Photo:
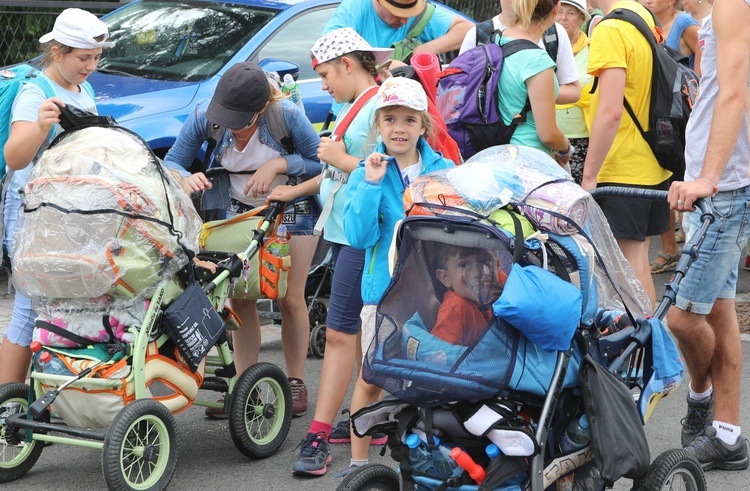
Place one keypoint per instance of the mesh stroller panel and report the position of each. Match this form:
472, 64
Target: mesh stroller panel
405, 358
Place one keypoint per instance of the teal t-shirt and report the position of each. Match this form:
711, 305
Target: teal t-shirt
513, 91
355, 140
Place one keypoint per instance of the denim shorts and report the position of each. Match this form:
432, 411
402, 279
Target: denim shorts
714, 274
345, 303
299, 216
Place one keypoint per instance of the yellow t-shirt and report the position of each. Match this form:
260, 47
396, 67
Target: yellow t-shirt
618, 44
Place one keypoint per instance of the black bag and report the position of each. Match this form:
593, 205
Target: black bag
617, 436
193, 324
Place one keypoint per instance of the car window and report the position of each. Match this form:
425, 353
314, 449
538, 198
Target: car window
179, 41
292, 42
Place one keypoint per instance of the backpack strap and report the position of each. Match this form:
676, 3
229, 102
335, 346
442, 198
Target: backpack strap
484, 31
637, 21
551, 42
421, 21
510, 49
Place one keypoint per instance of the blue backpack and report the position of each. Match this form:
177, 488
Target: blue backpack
467, 96
11, 81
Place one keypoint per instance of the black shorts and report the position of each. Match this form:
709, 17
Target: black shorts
635, 218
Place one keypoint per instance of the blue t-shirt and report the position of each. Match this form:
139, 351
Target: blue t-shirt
681, 22
518, 68
360, 15
26, 108
355, 140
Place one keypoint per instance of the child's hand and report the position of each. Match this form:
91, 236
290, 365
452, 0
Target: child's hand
205, 264
375, 165
260, 182
49, 113
331, 152
198, 182
282, 193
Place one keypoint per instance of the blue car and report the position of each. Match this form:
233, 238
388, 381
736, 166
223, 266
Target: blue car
171, 54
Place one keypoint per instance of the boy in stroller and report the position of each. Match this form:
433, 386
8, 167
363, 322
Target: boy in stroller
466, 273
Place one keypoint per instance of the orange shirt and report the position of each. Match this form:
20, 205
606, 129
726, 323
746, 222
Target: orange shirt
459, 321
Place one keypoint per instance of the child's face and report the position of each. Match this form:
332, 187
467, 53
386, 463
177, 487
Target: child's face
400, 128
334, 80
470, 277
76, 66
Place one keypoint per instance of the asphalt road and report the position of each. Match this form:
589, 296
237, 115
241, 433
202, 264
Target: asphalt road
209, 460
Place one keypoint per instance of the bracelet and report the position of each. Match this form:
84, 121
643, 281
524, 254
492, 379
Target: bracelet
566, 153
716, 188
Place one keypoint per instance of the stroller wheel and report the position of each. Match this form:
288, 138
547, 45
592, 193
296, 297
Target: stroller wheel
140, 449
260, 413
674, 469
318, 341
16, 456
371, 477
318, 313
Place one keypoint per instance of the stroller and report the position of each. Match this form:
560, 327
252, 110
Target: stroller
125, 319
564, 303
317, 287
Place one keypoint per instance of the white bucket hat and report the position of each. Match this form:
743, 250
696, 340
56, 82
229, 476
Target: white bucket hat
580, 5
343, 41
77, 28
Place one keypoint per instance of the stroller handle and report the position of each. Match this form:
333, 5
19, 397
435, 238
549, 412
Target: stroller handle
651, 194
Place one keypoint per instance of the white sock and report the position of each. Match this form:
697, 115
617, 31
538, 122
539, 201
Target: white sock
359, 463
700, 396
726, 433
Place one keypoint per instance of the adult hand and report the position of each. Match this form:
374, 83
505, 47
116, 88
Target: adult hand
375, 165
682, 195
260, 182
331, 152
562, 160
198, 182
49, 113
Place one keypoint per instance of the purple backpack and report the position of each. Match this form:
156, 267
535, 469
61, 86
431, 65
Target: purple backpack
467, 96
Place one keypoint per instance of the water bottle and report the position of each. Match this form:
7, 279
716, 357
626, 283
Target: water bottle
291, 88
437, 462
45, 362
577, 435
278, 246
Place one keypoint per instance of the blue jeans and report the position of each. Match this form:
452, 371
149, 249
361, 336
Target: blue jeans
714, 274
21, 326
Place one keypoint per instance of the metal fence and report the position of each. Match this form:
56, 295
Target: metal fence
23, 22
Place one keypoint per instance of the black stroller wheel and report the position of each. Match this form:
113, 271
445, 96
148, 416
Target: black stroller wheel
318, 313
675, 469
371, 477
260, 413
318, 341
16, 456
140, 449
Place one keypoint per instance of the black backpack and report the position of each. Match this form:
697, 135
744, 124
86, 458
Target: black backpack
674, 88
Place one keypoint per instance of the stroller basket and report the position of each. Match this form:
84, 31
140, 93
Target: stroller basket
409, 361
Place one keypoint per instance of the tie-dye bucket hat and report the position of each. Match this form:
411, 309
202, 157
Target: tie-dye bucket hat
401, 91
343, 41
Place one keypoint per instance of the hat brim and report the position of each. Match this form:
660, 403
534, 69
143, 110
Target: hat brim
586, 15
228, 118
404, 12
381, 55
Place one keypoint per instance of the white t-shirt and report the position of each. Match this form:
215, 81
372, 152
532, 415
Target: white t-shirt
566, 66
252, 157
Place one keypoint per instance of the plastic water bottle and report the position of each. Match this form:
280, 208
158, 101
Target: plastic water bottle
45, 362
437, 462
279, 245
577, 435
291, 87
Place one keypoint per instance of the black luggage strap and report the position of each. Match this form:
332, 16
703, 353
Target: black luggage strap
63, 333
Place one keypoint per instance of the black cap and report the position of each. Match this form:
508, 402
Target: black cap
242, 91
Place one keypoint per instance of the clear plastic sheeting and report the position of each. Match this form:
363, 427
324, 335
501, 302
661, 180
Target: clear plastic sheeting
103, 223
546, 194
